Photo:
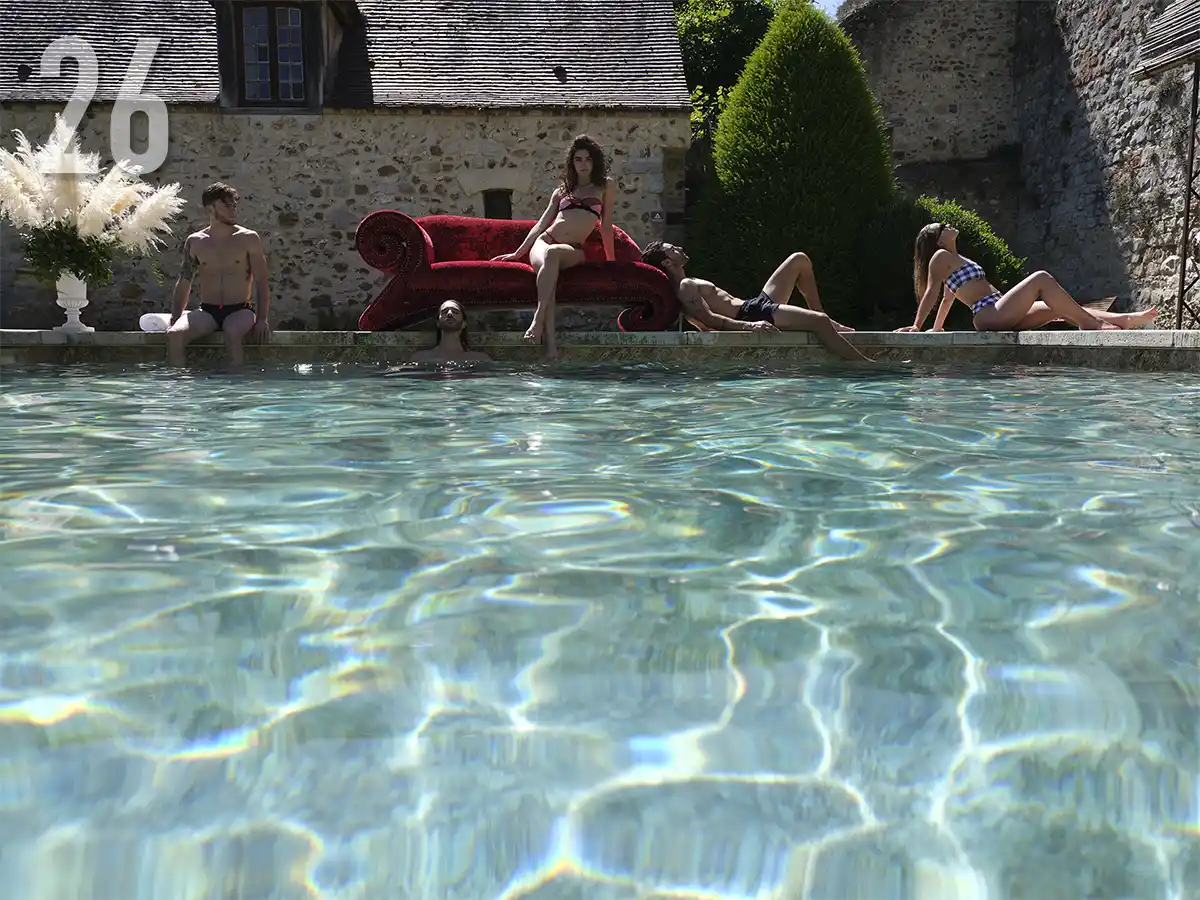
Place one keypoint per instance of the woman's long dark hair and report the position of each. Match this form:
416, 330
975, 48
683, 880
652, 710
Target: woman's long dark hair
462, 332
599, 169
926, 246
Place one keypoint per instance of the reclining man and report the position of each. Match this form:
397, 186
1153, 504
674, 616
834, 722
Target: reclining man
710, 307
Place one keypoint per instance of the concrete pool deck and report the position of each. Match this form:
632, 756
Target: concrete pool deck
1137, 350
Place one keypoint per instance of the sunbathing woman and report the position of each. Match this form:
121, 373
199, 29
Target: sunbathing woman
1036, 301
582, 202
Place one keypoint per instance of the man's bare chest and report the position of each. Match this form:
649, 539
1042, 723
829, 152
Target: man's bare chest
220, 254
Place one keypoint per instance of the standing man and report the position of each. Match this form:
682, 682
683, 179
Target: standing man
230, 262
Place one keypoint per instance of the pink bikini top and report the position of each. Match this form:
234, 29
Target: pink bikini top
594, 205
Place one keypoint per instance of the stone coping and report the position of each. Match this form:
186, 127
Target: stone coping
1135, 349
1141, 338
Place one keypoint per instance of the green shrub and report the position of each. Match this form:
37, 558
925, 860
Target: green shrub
58, 247
885, 251
801, 162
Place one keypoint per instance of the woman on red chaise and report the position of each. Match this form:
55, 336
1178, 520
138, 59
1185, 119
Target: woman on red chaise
583, 201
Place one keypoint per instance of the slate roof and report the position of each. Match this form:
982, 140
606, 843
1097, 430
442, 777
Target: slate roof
472, 53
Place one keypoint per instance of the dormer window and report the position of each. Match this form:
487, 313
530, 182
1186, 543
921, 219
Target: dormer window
271, 55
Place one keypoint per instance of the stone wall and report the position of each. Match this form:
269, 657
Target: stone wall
1064, 220
942, 72
1119, 139
1028, 112
306, 182
990, 186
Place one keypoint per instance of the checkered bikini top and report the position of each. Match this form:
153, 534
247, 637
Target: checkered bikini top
968, 271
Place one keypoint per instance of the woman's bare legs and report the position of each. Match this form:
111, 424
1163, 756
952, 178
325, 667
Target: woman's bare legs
1011, 310
547, 261
1040, 314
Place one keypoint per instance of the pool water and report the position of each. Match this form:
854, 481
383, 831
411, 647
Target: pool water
606, 633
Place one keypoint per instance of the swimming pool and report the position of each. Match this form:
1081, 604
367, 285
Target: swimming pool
608, 633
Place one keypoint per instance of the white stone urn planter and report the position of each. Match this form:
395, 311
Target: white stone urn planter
72, 296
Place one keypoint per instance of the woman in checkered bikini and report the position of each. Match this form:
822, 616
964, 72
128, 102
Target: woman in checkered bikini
1036, 301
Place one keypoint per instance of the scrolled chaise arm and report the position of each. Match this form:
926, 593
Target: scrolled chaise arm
656, 313
393, 243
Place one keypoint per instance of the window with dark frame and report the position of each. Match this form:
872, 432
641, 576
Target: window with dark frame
497, 204
272, 55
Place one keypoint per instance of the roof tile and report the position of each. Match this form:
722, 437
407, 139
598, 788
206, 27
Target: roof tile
474, 53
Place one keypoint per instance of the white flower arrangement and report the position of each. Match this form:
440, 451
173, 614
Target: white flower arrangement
74, 219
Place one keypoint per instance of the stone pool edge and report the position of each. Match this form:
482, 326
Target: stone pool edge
1139, 350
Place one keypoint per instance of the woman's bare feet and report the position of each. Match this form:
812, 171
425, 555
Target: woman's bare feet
534, 332
1137, 319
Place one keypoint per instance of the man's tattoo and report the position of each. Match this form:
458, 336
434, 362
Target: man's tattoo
189, 263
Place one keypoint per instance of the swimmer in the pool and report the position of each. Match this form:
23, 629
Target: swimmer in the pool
453, 344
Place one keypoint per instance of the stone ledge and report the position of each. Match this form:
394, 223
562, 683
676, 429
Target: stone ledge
1139, 349
1142, 339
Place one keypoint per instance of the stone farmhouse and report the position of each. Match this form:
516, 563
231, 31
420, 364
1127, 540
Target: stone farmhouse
321, 111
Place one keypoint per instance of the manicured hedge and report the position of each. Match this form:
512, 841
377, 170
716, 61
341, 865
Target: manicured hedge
801, 162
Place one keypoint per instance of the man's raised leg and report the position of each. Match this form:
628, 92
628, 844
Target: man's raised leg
192, 324
796, 273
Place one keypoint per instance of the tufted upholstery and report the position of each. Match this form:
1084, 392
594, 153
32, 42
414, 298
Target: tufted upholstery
437, 258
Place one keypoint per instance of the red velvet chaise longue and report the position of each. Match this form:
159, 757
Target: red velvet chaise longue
437, 258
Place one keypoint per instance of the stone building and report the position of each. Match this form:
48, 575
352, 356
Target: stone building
358, 105
1029, 111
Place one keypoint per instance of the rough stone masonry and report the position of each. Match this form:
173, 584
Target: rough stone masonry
1028, 112
307, 181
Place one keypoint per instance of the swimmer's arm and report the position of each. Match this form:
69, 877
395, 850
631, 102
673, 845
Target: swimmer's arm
538, 227
258, 269
944, 310
183, 284
694, 300
606, 223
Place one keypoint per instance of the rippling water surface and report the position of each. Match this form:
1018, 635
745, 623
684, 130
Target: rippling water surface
625, 633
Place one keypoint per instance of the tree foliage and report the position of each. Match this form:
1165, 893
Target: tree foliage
717, 37
801, 161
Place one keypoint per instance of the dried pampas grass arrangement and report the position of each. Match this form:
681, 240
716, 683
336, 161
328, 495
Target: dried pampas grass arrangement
74, 219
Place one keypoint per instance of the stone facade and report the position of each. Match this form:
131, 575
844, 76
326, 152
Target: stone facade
1065, 223
1028, 112
307, 181
942, 71
1135, 133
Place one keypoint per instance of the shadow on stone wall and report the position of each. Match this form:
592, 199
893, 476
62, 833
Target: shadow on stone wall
1065, 223
990, 186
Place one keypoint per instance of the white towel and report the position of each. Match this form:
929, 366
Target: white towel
155, 322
